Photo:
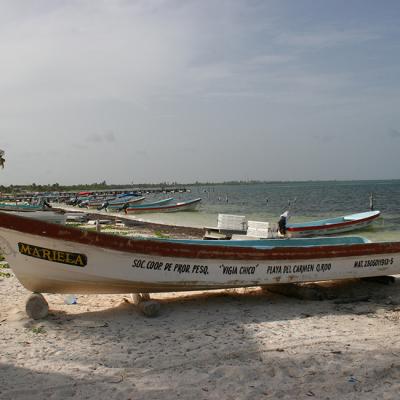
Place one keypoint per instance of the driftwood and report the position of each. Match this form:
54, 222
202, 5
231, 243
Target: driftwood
299, 290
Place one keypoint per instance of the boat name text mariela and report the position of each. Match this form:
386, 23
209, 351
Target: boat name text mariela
63, 257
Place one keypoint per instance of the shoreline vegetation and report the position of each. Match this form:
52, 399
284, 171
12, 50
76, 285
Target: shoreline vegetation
56, 187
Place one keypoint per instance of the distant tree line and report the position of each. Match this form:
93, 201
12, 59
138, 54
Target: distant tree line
56, 187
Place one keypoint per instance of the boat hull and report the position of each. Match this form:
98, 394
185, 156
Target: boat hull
152, 204
50, 258
20, 207
186, 206
121, 202
334, 228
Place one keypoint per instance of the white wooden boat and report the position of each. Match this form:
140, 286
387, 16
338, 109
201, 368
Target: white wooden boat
125, 201
181, 206
97, 202
48, 216
332, 226
150, 204
51, 258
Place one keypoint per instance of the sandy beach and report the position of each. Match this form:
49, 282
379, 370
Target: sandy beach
231, 344
268, 130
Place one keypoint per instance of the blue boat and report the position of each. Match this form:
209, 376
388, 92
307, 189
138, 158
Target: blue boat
181, 206
332, 225
22, 207
123, 202
152, 204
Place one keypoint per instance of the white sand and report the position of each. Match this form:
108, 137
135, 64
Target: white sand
221, 345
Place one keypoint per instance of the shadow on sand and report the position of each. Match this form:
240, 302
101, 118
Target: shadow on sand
218, 345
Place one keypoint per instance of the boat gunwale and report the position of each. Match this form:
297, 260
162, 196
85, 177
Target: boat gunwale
121, 201
156, 247
155, 203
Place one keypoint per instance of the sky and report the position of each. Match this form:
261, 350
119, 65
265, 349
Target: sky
183, 91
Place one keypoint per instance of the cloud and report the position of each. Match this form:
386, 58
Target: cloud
141, 153
182, 78
270, 59
80, 146
394, 133
98, 138
325, 139
326, 38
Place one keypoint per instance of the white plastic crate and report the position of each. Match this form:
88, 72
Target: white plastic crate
232, 222
259, 229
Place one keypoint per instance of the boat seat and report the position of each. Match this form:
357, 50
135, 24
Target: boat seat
244, 237
209, 235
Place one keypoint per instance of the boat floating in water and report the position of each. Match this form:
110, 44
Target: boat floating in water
332, 226
50, 258
229, 225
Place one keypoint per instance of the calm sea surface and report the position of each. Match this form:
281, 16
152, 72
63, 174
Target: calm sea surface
308, 201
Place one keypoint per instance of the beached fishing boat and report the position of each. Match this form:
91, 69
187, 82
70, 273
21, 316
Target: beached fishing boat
49, 258
21, 207
123, 202
332, 226
48, 216
98, 202
152, 204
182, 206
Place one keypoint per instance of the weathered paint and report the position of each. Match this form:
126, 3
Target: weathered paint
120, 265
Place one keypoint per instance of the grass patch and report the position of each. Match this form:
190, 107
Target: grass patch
5, 274
161, 235
38, 330
75, 224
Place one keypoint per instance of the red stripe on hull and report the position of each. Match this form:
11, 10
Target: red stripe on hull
331, 226
167, 249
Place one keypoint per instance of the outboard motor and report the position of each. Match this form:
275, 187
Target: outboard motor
83, 203
124, 207
103, 206
46, 204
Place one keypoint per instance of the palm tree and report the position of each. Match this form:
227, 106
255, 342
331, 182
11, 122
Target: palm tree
2, 159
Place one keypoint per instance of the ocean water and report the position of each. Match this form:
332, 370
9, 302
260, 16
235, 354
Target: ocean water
306, 201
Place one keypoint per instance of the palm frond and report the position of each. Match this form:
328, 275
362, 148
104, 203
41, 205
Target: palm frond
2, 159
